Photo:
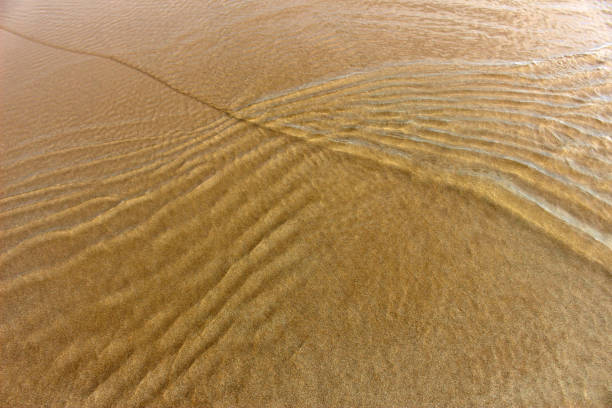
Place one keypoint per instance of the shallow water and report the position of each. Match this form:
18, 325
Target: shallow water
306, 203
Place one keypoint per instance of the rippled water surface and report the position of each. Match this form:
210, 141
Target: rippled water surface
306, 203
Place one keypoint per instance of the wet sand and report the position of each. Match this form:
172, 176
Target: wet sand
306, 204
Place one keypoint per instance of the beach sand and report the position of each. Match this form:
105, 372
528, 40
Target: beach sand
315, 204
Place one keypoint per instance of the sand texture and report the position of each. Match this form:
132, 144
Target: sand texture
306, 204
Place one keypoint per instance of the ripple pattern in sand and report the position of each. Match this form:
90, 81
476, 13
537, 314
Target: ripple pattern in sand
533, 137
186, 245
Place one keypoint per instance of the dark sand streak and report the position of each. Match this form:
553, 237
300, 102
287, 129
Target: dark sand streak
150, 75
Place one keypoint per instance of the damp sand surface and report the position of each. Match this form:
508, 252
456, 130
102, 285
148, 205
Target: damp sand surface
301, 203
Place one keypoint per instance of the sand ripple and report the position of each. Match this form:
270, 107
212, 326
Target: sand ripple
433, 232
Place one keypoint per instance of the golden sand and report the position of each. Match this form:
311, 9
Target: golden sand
391, 204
